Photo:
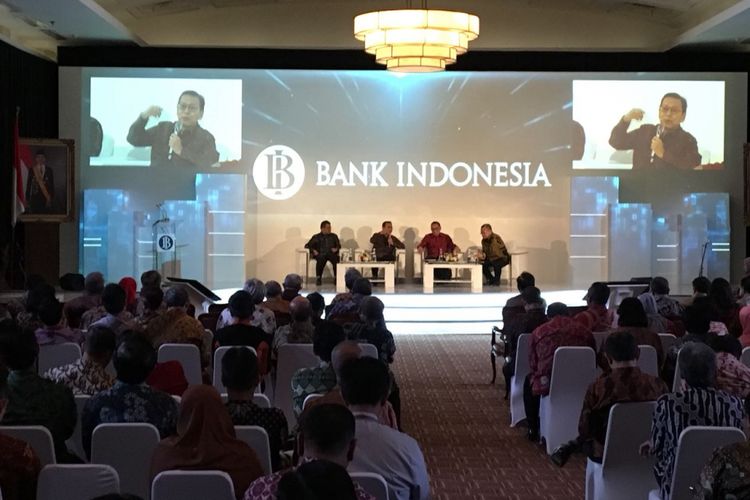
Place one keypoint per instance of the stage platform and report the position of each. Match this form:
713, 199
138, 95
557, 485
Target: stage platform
451, 309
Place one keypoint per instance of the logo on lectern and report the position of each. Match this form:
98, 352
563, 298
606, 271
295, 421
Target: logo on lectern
165, 243
278, 172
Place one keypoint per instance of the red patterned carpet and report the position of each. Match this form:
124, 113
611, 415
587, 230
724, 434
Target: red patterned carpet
462, 425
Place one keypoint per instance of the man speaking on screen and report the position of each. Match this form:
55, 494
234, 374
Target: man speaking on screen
662, 145
183, 143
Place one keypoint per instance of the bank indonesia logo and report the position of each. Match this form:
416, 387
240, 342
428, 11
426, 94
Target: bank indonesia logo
278, 172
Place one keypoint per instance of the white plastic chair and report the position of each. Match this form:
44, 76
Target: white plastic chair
292, 357
369, 351
127, 448
192, 484
189, 357
38, 437
372, 483
694, 449
52, 356
745, 357
517, 410
623, 473
677, 380
667, 341
309, 398
573, 369
218, 356
82, 481
648, 361
75, 443
599, 338
257, 438
261, 400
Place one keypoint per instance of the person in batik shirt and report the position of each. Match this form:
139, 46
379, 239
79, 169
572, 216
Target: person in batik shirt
88, 375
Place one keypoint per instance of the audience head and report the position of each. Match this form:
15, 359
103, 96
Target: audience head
50, 311
113, 299
725, 343
316, 480
343, 353
365, 382
239, 370
94, 283
659, 286
101, 343
134, 358
293, 282
152, 297
524, 280
621, 347
176, 296
371, 310
37, 295
362, 286
350, 277
202, 417
531, 295
697, 318
327, 432
18, 347
721, 294
256, 289
557, 309
33, 281
129, 285
241, 305
697, 365
318, 304
300, 309
326, 336
598, 293
630, 312
151, 279
701, 285
273, 289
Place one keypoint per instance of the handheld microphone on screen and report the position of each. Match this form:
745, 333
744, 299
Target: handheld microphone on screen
175, 130
659, 133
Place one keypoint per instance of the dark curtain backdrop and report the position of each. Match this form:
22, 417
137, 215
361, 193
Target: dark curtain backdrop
28, 82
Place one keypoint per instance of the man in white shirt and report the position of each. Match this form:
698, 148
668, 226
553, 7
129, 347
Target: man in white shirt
365, 384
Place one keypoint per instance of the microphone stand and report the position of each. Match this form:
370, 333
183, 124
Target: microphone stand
703, 258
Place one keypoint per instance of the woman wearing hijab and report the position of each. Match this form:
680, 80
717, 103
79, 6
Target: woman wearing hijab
206, 440
131, 299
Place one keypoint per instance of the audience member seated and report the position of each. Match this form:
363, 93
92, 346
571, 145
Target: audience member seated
326, 432
727, 473
28, 318
624, 382
698, 404
561, 330
697, 322
131, 297
206, 440
701, 286
53, 331
19, 305
597, 318
168, 377
19, 465
149, 280
346, 310
342, 353
318, 379
260, 316
744, 315
151, 305
277, 305
350, 277
656, 322
317, 480
74, 309
292, 285
299, 331
532, 316
732, 376
725, 306
523, 280
33, 400
239, 374
666, 305
631, 317
89, 374
318, 305
130, 399
397, 457
114, 315
371, 329
240, 330
175, 326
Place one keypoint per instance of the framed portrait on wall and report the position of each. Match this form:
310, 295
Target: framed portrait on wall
48, 179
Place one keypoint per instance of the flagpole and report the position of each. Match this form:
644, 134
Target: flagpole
15, 263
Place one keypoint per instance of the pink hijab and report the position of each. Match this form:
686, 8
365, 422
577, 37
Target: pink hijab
129, 285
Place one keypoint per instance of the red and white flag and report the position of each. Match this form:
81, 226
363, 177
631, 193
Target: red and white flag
21, 164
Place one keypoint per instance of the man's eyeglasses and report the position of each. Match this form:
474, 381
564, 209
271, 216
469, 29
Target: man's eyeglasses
668, 109
188, 108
